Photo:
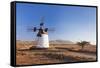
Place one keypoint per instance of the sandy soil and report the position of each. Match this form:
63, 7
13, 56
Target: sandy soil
27, 54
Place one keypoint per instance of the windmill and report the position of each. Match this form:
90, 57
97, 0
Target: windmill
42, 35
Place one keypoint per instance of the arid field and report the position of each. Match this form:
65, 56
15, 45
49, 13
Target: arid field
28, 54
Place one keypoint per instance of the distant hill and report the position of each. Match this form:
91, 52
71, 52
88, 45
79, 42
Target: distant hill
61, 42
51, 42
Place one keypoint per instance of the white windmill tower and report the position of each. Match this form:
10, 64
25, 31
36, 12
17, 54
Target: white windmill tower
42, 35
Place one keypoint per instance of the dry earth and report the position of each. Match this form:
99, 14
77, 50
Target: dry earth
27, 54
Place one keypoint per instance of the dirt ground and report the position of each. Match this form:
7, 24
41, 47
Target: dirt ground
28, 54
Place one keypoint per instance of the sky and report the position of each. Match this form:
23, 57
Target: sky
72, 23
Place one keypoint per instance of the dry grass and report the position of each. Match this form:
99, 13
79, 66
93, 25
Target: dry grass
27, 54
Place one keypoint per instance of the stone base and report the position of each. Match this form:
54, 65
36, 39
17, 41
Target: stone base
43, 41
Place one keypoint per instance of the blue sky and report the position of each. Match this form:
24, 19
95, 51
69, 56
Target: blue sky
70, 22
